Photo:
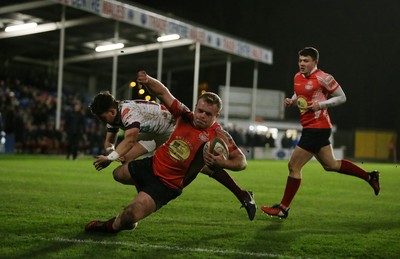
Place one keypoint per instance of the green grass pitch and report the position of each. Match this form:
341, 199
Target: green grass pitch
45, 203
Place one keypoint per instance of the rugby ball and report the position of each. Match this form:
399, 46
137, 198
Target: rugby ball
215, 147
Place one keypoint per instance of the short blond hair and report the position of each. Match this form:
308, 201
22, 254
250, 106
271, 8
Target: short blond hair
212, 98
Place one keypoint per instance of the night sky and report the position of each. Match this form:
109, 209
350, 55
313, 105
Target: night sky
358, 41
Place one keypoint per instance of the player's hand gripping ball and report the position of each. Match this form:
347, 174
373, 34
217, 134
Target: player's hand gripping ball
216, 146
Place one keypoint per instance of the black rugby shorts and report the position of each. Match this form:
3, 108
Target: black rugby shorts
313, 140
142, 173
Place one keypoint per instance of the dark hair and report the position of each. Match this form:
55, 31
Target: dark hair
310, 51
102, 102
212, 98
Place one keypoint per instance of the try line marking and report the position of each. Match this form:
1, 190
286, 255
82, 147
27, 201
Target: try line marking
174, 248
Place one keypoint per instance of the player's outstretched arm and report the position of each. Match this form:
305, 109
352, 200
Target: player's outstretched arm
109, 142
130, 139
156, 88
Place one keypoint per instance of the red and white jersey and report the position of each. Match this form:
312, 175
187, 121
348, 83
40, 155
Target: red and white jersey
317, 87
149, 117
172, 160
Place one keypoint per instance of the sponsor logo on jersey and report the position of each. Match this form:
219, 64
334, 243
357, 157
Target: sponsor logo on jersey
302, 104
179, 149
203, 136
309, 86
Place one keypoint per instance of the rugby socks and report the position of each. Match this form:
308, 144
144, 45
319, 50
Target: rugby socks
350, 168
226, 180
292, 185
119, 225
109, 226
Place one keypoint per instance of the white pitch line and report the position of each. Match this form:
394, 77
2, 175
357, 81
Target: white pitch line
174, 248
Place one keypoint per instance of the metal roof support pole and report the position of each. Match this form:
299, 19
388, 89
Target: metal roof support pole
196, 75
169, 80
254, 97
227, 91
60, 69
159, 65
115, 62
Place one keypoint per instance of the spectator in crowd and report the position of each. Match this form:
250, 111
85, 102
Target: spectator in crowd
31, 139
287, 141
74, 127
93, 141
270, 141
19, 131
2, 134
259, 140
250, 142
31, 114
237, 136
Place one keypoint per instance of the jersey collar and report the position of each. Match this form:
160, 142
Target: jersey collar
312, 72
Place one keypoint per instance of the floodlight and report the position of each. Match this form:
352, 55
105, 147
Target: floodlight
108, 47
168, 37
19, 27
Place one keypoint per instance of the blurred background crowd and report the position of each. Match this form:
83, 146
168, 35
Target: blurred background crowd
28, 113
27, 123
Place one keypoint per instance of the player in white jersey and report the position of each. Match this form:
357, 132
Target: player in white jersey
154, 122
147, 125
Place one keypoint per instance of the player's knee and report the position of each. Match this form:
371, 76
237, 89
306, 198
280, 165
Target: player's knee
294, 171
330, 168
118, 174
291, 167
333, 166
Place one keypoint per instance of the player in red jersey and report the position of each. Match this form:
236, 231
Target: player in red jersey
161, 178
147, 125
314, 92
